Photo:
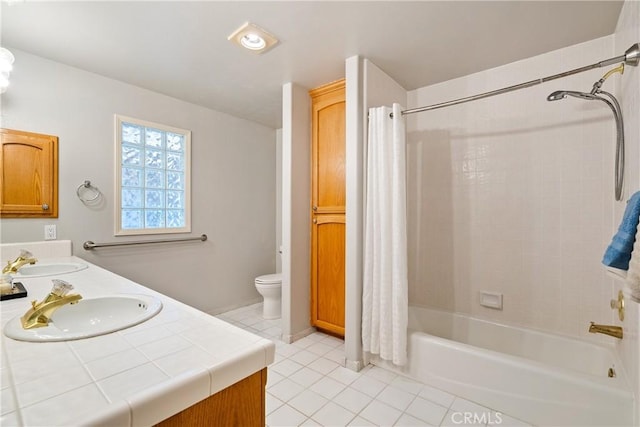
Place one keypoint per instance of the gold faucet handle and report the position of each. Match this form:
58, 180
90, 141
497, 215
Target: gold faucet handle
619, 305
25, 254
60, 287
34, 304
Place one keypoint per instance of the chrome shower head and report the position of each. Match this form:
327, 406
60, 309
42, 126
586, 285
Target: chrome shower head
557, 95
612, 102
561, 94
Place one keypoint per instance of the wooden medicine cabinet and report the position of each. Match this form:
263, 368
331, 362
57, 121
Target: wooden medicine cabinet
28, 175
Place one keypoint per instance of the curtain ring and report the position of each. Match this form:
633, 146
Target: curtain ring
88, 188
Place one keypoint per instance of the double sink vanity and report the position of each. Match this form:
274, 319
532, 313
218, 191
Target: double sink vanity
120, 354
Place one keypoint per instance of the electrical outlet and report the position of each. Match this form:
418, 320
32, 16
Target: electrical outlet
50, 232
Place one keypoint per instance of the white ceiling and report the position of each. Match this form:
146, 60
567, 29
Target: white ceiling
181, 49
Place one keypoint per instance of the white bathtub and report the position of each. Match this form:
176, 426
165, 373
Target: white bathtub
540, 378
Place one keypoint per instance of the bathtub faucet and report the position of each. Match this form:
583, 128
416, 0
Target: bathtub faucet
614, 331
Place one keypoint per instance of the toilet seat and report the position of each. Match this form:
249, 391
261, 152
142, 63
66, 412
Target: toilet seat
269, 279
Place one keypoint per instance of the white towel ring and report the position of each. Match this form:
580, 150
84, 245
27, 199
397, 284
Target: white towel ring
87, 193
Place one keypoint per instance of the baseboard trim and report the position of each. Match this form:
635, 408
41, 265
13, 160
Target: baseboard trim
354, 365
216, 311
295, 337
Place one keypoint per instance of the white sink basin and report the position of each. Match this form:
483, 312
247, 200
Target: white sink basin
49, 269
89, 318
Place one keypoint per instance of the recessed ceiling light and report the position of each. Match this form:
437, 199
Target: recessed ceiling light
253, 38
253, 41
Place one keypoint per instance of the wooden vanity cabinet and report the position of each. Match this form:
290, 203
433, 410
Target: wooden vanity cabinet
328, 201
29, 175
241, 404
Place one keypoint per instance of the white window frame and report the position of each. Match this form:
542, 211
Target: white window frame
119, 231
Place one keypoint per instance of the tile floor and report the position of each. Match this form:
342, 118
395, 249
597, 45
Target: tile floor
307, 386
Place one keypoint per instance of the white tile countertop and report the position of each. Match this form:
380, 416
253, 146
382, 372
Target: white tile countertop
134, 377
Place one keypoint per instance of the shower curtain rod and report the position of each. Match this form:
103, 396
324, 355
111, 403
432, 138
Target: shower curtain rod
630, 57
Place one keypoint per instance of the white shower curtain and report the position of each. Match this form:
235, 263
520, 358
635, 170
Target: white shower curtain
384, 296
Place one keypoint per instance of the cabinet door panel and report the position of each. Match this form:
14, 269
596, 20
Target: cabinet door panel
328, 273
331, 157
328, 136
28, 179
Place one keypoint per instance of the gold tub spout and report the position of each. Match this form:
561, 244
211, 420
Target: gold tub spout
614, 331
40, 313
24, 258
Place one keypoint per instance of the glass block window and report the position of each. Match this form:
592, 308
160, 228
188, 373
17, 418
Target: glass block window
152, 178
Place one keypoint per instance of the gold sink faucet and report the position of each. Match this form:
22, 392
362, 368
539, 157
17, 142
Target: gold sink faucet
614, 331
24, 258
40, 313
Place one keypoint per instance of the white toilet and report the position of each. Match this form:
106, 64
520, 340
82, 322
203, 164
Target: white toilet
270, 287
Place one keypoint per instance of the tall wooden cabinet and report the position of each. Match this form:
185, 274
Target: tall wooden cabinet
328, 195
28, 175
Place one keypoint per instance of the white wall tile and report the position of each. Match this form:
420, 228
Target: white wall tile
40, 250
628, 93
510, 194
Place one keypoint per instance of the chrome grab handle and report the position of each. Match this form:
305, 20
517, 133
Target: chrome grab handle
89, 245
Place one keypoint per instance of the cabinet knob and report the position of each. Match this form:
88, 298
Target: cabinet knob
315, 208
315, 221
45, 207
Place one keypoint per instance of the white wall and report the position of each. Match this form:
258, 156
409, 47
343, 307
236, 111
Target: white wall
628, 93
354, 181
514, 194
380, 88
233, 182
296, 211
278, 199
367, 86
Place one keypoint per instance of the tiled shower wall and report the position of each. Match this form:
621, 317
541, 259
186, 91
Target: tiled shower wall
514, 194
628, 91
